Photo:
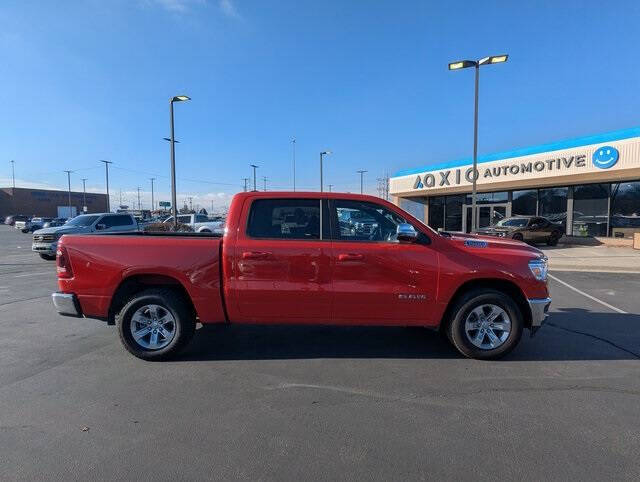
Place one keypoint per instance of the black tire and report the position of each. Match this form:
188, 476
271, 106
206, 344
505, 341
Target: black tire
471, 300
518, 237
173, 302
48, 257
553, 239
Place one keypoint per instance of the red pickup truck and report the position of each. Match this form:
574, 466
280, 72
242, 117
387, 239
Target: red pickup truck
305, 258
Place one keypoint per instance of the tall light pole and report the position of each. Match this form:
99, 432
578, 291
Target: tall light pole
139, 208
84, 193
106, 170
246, 180
177, 98
361, 171
322, 154
463, 64
69, 187
153, 206
293, 142
264, 178
13, 173
254, 175
330, 186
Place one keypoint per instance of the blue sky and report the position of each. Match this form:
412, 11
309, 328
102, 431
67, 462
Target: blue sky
89, 80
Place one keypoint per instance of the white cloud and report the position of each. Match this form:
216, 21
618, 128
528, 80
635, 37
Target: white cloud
176, 6
229, 9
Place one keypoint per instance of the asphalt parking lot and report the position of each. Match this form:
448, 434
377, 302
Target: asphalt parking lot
295, 403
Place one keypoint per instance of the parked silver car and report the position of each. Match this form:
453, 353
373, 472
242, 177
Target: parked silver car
45, 241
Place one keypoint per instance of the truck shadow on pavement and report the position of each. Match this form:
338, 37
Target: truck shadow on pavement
570, 334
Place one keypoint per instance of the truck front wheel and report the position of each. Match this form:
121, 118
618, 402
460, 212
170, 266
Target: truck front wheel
155, 324
486, 324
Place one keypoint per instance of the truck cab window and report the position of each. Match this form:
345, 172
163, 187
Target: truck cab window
286, 219
364, 221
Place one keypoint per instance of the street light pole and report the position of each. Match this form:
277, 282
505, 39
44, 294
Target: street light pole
264, 178
362, 180
13, 173
293, 141
177, 98
69, 187
84, 193
245, 179
330, 186
463, 64
139, 208
152, 200
106, 170
254, 176
322, 154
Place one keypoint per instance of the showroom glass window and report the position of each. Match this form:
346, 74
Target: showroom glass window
625, 209
453, 220
590, 202
436, 212
552, 204
414, 206
524, 202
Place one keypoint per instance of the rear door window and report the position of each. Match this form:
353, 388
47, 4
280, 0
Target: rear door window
287, 219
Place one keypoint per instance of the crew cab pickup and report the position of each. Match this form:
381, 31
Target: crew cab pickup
284, 259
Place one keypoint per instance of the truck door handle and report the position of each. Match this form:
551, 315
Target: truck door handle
255, 255
350, 257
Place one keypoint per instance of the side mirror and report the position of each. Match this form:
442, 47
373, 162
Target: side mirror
100, 227
407, 233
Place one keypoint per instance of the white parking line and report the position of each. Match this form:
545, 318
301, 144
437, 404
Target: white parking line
24, 275
587, 295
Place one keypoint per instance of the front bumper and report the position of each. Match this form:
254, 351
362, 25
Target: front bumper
66, 304
44, 248
539, 308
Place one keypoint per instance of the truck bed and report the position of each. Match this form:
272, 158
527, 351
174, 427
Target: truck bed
102, 264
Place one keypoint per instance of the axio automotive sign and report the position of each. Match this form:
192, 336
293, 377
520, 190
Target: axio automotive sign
604, 157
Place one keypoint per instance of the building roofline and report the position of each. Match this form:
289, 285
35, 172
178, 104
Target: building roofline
527, 151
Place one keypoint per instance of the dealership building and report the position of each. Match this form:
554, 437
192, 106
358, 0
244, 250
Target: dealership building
591, 185
49, 202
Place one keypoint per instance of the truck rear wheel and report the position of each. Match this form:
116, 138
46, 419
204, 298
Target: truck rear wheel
155, 324
486, 324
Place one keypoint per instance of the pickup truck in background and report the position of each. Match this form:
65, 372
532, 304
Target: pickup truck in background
284, 259
200, 223
45, 241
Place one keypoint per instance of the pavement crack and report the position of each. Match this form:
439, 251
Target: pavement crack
595, 337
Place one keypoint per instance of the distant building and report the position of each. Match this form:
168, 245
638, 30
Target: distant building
47, 202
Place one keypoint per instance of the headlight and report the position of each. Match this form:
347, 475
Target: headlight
539, 268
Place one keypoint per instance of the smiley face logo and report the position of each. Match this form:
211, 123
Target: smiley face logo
605, 157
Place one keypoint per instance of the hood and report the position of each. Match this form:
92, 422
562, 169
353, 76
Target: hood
62, 230
479, 244
498, 229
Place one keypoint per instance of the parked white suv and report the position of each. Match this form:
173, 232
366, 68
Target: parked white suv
199, 222
45, 241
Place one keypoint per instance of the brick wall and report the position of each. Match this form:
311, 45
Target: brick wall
44, 202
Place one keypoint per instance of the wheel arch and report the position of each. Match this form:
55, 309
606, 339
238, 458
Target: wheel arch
136, 283
505, 286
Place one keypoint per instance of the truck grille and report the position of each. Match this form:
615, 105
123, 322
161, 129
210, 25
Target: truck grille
39, 238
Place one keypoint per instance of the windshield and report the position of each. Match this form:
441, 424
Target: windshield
517, 222
84, 220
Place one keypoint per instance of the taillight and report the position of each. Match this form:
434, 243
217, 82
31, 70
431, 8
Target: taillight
63, 266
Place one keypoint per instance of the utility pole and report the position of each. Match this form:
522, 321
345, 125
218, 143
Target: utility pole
69, 184
254, 176
245, 179
153, 206
361, 171
212, 205
106, 170
264, 178
84, 193
139, 198
13, 173
120, 196
190, 203
293, 141
330, 187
